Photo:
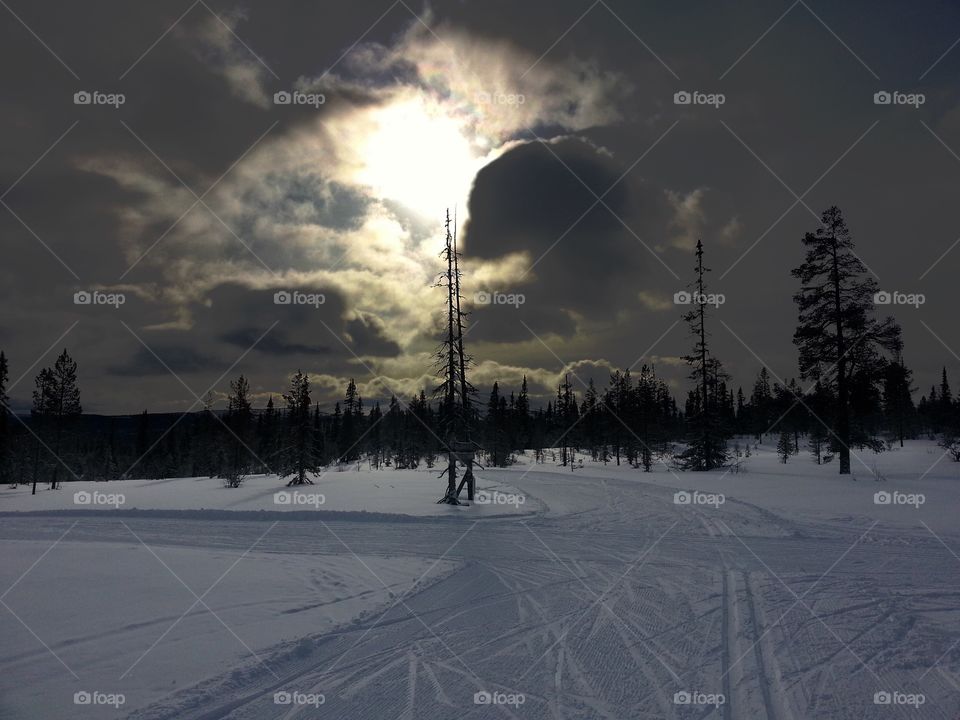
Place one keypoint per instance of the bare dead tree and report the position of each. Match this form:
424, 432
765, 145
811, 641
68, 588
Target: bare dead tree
454, 390
465, 446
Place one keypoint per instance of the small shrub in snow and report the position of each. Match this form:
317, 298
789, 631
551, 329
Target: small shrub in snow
951, 444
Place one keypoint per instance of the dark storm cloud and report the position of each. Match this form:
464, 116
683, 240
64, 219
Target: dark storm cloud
234, 319
542, 200
163, 359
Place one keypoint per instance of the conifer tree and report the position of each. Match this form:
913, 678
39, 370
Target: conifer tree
56, 404
707, 434
297, 453
897, 396
239, 421
837, 330
785, 446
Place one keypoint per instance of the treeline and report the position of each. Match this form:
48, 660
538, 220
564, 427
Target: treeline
634, 421
855, 391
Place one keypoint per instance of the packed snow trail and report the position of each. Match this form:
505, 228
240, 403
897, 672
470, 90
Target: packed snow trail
613, 601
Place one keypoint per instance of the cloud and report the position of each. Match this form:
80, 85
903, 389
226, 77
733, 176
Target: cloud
730, 233
497, 89
655, 302
689, 218
215, 42
329, 202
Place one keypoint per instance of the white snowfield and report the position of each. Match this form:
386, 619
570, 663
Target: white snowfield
780, 592
391, 492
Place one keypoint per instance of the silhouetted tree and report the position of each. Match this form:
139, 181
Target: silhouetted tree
837, 334
297, 457
238, 422
707, 436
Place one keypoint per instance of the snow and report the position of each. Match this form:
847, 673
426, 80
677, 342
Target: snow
598, 596
801, 488
403, 492
123, 598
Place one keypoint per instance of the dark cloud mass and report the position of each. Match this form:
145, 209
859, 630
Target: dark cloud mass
582, 185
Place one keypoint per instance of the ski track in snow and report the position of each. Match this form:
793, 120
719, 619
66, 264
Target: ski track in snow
603, 605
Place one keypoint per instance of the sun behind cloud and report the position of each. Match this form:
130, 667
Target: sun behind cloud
416, 152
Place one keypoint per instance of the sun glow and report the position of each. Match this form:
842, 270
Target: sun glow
419, 155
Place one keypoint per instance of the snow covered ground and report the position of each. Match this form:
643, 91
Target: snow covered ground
783, 592
402, 492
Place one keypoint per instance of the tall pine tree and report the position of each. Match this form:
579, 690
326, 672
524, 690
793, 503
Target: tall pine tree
838, 336
707, 433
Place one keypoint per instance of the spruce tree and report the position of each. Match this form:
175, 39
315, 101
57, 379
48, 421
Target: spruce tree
837, 334
493, 428
897, 396
297, 456
56, 404
760, 405
239, 422
785, 446
707, 434
523, 420
267, 435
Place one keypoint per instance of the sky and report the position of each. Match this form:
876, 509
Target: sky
187, 194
